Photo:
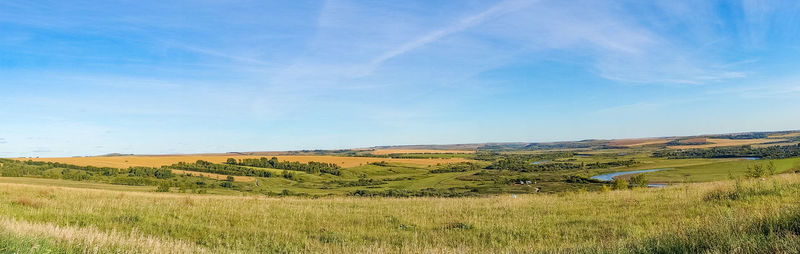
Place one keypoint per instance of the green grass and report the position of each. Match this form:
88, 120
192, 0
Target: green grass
74, 184
15, 244
720, 170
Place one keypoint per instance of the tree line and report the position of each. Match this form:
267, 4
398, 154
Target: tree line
223, 169
312, 167
769, 152
520, 165
135, 176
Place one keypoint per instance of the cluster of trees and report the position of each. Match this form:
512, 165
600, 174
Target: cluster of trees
75, 172
545, 146
580, 179
158, 173
492, 156
560, 145
637, 181
311, 167
359, 182
379, 163
688, 142
758, 170
514, 164
430, 155
770, 152
456, 167
428, 192
107, 171
752, 135
369, 154
224, 169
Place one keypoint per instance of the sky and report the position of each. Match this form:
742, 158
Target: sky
155, 77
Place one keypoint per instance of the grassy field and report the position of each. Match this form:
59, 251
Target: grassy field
723, 169
158, 160
746, 216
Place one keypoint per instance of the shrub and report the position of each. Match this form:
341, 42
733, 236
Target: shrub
460, 225
620, 184
163, 187
639, 180
771, 168
758, 170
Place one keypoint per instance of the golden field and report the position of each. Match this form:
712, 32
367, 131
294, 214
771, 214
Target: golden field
788, 135
717, 142
391, 151
165, 160
639, 142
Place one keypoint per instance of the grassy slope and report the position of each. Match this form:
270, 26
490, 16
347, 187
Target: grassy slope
718, 170
687, 218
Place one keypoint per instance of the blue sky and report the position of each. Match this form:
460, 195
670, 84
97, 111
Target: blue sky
95, 77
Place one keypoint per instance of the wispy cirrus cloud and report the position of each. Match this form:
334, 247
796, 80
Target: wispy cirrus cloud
620, 43
470, 21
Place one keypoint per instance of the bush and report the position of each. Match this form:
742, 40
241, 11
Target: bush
758, 170
640, 180
163, 187
620, 184
460, 225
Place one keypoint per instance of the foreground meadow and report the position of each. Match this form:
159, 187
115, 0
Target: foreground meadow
731, 216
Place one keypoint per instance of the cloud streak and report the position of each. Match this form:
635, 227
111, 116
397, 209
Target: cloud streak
496, 10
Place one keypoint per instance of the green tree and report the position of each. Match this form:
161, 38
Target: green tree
640, 180
771, 168
756, 171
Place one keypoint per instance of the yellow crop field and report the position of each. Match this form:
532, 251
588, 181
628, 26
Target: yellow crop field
391, 151
717, 142
639, 142
788, 135
158, 160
